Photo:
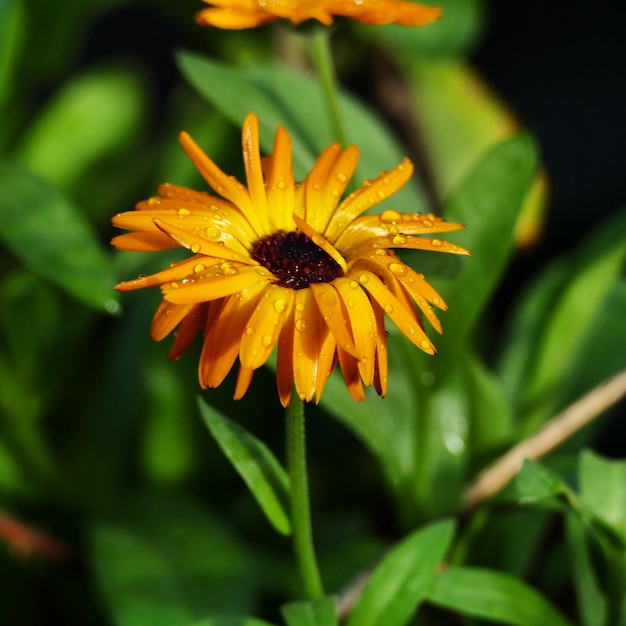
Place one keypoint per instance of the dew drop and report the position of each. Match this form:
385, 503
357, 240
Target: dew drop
390, 217
267, 340
300, 307
341, 177
250, 331
427, 223
351, 304
436, 301
183, 212
388, 308
174, 285
455, 248
398, 240
300, 325
354, 284
393, 230
436, 243
399, 269
425, 344
169, 312
381, 252
200, 267
381, 194
195, 247
363, 278
154, 201
213, 234
279, 305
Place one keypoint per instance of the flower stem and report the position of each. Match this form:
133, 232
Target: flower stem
300, 507
323, 59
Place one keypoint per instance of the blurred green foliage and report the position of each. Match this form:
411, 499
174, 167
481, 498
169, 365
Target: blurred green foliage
117, 506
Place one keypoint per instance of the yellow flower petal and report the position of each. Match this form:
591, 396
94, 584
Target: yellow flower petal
394, 309
264, 326
358, 308
213, 286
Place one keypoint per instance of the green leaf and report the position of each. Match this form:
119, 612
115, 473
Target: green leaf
281, 97
593, 272
603, 488
591, 602
93, 116
535, 482
320, 612
166, 561
52, 237
493, 596
488, 203
255, 463
404, 578
231, 620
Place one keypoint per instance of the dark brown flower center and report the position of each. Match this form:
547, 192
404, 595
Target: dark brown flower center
295, 260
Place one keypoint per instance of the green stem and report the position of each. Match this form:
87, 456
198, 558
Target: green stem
300, 507
323, 59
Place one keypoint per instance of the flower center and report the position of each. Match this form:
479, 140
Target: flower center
295, 260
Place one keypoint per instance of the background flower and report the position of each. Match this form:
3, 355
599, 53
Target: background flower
238, 14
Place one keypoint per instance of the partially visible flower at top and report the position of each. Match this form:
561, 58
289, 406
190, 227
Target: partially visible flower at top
239, 14
287, 265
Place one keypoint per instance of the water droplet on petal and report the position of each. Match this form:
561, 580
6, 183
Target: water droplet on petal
279, 305
213, 234
250, 331
388, 308
154, 201
399, 269
169, 312
436, 243
195, 247
282, 185
183, 212
341, 177
300, 325
390, 217
398, 240
200, 267
425, 344
300, 307
354, 284
267, 340
427, 223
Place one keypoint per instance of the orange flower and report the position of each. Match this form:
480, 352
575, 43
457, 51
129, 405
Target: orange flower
238, 14
286, 265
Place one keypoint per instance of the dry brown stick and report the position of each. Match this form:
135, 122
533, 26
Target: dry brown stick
553, 434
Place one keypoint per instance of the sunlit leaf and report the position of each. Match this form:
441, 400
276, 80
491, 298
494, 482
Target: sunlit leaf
90, 118
255, 463
269, 92
493, 596
404, 578
603, 488
51, 237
